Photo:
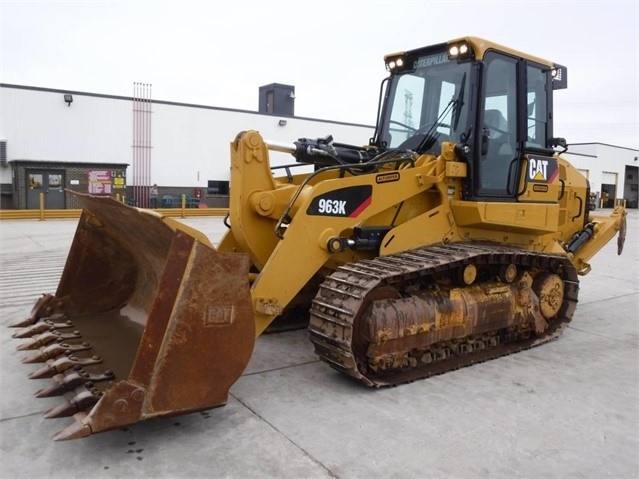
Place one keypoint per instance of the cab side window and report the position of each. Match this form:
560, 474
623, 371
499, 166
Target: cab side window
536, 111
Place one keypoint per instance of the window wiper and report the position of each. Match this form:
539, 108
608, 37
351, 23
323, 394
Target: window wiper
431, 135
457, 103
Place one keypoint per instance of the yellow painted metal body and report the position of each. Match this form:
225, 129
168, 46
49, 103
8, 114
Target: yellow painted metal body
421, 205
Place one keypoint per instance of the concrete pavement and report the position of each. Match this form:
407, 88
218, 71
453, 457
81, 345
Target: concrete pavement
568, 409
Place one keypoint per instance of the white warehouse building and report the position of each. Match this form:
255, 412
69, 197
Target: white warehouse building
613, 171
52, 140
110, 144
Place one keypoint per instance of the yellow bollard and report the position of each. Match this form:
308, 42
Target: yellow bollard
41, 206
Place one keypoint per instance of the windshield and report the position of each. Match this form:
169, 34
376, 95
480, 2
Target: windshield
427, 105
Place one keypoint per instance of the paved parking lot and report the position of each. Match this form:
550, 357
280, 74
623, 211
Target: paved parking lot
568, 409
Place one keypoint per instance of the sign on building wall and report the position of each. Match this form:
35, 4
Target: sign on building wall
103, 182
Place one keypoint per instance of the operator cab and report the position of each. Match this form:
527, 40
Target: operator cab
491, 99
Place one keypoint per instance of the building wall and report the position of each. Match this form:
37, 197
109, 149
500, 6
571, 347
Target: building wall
38, 125
608, 164
194, 142
190, 143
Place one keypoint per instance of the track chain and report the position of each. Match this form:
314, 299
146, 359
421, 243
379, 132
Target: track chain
344, 293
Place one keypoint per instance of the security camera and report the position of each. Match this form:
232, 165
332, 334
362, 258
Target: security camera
291, 95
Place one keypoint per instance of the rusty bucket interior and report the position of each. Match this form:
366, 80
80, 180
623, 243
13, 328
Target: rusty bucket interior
148, 320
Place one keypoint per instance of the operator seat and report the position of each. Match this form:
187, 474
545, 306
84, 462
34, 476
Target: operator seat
500, 152
495, 121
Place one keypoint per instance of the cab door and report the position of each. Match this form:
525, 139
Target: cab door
499, 152
544, 177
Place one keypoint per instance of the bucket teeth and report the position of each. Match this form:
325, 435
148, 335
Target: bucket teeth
47, 338
54, 350
31, 331
45, 306
70, 380
75, 430
85, 398
23, 323
61, 364
42, 327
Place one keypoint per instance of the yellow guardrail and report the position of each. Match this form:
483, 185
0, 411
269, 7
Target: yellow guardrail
44, 214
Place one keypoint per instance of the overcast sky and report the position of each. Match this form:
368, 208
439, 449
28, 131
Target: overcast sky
218, 53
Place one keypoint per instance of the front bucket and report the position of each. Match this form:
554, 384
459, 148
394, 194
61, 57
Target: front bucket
148, 320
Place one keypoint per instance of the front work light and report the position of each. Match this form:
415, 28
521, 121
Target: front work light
458, 51
394, 62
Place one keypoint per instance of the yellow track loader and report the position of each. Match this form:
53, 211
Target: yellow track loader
455, 236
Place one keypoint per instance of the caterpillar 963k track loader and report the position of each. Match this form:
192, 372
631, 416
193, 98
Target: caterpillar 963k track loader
456, 236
